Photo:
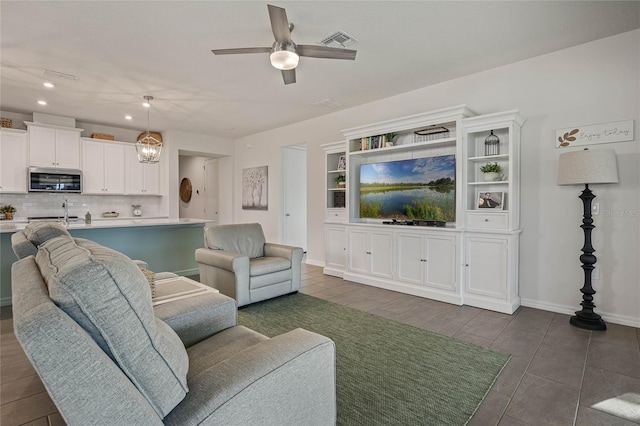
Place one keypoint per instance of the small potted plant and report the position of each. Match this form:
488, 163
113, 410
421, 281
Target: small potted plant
8, 211
389, 138
341, 181
492, 172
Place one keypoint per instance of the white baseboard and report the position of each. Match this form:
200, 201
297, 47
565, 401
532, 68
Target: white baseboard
570, 310
415, 290
314, 262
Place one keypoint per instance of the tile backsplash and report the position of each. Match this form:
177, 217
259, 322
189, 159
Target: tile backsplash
30, 205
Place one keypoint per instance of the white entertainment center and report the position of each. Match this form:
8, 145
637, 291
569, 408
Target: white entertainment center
470, 260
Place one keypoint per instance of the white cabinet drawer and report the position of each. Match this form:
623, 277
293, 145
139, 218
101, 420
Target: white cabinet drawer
336, 215
488, 220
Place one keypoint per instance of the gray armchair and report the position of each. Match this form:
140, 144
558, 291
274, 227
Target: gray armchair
238, 262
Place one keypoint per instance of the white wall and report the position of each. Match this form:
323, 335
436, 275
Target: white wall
593, 83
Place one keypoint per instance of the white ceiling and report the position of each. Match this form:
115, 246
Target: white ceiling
123, 50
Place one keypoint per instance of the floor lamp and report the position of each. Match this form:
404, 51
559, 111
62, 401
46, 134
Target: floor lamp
585, 167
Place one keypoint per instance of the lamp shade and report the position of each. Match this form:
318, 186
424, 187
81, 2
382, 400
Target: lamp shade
587, 166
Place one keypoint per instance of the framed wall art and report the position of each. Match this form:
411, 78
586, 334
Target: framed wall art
255, 182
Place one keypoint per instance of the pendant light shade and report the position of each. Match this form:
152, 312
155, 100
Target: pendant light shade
148, 147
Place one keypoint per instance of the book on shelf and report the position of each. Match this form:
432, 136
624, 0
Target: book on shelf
373, 142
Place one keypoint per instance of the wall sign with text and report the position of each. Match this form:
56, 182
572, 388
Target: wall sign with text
618, 131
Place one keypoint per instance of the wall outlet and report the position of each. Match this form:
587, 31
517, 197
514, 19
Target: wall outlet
596, 273
595, 209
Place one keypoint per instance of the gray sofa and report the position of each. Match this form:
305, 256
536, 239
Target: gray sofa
83, 315
238, 262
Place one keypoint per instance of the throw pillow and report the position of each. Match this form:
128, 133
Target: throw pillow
40, 232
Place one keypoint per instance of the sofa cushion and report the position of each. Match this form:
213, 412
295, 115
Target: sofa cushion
40, 232
268, 265
107, 294
245, 238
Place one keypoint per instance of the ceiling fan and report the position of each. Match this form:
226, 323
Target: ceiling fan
284, 53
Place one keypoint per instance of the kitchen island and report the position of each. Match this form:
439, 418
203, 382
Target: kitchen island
165, 244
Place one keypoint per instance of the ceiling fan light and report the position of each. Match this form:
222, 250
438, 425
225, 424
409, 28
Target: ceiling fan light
284, 57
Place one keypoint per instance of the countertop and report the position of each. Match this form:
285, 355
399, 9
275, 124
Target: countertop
10, 226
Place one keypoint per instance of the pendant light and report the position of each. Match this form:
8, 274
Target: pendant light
148, 147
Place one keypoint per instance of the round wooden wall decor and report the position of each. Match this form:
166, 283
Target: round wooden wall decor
185, 190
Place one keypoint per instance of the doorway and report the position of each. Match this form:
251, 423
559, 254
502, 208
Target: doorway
211, 189
294, 200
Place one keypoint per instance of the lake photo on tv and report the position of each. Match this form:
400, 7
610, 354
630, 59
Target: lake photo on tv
421, 188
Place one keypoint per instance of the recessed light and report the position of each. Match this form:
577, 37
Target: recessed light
42, 102
48, 85
128, 117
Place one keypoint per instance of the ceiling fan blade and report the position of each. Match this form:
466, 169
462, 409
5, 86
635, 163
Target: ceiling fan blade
241, 50
325, 52
279, 24
289, 76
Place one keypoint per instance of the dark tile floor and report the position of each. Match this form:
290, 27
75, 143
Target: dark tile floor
558, 374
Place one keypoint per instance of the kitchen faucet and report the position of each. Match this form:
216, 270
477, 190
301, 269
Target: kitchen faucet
65, 206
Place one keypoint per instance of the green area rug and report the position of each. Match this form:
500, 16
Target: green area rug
388, 373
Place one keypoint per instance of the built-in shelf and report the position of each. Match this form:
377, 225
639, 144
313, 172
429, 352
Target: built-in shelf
336, 189
495, 182
407, 146
488, 158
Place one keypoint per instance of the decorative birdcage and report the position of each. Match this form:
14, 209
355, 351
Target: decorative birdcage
492, 145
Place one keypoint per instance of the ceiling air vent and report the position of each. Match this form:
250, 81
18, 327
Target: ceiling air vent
330, 103
338, 39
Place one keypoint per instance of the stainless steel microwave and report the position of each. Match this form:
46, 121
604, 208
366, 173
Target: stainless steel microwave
54, 180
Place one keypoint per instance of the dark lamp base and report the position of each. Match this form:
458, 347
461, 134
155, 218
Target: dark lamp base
588, 323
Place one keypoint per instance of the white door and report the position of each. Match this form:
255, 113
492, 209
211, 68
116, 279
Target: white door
441, 262
211, 189
13, 162
359, 252
382, 254
486, 261
336, 242
67, 149
93, 167
294, 177
42, 146
411, 260
114, 168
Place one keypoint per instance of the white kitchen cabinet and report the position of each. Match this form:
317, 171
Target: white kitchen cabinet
103, 167
427, 260
53, 146
13, 161
336, 250
141, 178
371, 252
491, 276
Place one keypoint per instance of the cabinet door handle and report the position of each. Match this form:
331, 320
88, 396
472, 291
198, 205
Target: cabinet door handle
486, 220
368, 252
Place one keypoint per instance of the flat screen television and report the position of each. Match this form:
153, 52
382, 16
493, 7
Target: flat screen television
420, 188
